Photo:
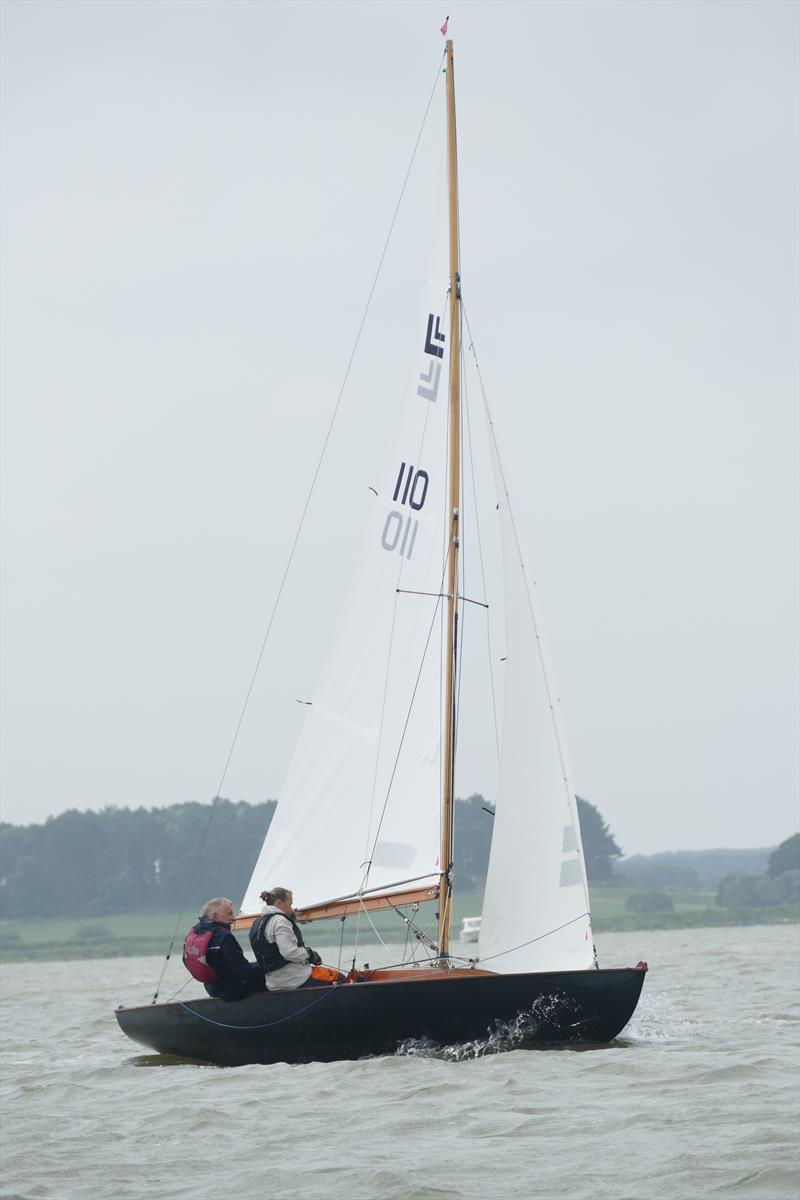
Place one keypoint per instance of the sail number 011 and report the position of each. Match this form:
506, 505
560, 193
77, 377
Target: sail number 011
400, 529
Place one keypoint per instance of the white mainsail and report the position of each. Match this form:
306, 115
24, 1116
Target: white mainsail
536, 905
359, 813
359, 810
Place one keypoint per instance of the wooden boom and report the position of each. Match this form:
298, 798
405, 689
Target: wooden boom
351, 906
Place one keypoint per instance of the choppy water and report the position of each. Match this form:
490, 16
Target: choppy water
698, 1098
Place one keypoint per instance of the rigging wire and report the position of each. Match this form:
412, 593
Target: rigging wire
411, 704
341, 944
479, 541
367, 863
301, 523
522, 945
387, 967
461, 579
372, 925
180, 989
428, 930
409, 923
462, 565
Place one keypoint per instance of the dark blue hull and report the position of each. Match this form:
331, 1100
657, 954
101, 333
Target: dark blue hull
326, 1024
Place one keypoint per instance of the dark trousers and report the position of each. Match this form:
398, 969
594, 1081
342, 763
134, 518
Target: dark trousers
255, 983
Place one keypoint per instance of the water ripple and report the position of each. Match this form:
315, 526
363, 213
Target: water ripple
696, 1098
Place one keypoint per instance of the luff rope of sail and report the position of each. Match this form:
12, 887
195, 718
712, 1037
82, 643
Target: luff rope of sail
290, 559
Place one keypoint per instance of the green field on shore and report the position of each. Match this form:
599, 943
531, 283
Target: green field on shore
125, 934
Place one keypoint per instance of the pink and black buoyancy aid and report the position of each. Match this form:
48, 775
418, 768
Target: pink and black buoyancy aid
199, 940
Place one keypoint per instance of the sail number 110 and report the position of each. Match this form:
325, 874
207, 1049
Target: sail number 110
400, 529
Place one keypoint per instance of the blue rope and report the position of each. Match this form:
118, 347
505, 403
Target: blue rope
269, 1024
247, 1028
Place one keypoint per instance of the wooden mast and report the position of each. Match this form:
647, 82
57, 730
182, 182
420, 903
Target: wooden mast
454, 503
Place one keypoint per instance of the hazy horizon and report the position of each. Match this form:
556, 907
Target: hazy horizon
625, 855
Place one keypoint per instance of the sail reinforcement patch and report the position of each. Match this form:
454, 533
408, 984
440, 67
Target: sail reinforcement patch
570, 839
570, 872
393, 854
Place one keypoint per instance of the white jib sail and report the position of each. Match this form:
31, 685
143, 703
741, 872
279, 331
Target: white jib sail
536, 904
359, 810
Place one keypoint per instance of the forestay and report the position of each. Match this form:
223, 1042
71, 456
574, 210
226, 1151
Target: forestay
536, 906
360, 806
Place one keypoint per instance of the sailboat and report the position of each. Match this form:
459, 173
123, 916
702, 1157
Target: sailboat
364, 821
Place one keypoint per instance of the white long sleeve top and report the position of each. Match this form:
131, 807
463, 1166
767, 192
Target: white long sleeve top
297, 970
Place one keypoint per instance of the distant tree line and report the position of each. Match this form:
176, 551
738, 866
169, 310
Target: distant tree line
122, 860
779, 884
692, 870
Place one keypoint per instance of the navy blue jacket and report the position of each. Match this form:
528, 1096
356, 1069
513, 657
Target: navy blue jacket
237, 976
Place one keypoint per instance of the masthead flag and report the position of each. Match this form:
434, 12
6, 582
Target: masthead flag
443, 28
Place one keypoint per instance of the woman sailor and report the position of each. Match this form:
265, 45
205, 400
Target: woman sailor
279, 947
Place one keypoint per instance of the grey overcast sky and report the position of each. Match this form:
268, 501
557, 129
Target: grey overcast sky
195, 196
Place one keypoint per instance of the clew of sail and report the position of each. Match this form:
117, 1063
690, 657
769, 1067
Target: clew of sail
536, 903
359, 811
